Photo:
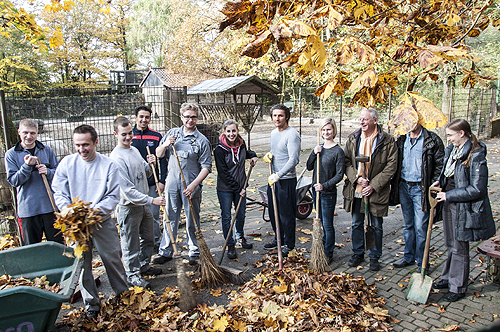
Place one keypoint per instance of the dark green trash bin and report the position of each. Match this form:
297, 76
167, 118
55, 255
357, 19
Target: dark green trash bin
33, 309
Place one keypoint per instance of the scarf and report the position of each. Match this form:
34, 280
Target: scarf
234, 149
455, 154
366, 147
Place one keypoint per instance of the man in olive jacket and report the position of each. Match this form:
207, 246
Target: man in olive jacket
371, 179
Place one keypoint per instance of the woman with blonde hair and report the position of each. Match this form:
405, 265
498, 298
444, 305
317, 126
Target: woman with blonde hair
466, 211
331, 172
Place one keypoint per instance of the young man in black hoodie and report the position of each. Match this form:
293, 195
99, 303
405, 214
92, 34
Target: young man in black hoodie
145, 136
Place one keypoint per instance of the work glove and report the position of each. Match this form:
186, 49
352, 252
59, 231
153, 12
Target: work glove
268, 158
273, 178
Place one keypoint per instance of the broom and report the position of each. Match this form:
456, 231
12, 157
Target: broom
318, 262
211, 273
234, 217
187, 297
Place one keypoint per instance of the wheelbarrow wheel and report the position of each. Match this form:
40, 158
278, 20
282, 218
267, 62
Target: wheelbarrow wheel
304, 208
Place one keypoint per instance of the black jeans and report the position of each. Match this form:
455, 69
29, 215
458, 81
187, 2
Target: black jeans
287, 204
34, 227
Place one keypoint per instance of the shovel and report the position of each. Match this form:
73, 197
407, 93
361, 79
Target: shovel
369, 228
420, 285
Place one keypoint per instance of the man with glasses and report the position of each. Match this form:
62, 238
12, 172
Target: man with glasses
368, 179
195, 156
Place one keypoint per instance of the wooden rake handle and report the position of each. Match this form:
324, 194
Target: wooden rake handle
317, 179
185, 186
276, 221
165, 217
47, 188
234, 217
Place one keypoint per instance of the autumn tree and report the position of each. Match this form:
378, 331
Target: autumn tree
21, 67
388, 43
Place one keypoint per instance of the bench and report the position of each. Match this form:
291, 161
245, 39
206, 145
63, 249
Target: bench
491, 248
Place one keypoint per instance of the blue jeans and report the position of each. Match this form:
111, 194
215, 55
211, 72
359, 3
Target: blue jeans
358, 231
226, 200
415, 222
326, 210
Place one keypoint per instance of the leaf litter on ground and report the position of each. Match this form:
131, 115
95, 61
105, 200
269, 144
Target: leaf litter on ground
291, 299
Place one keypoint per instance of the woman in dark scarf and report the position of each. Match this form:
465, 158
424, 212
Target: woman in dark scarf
466, 211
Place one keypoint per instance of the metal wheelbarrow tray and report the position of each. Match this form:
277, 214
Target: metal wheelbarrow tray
304, 202
25, 308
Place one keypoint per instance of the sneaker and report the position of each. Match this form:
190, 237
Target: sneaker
152, 271
374, 265
271, 245
285, 250
92, 314
137, 281
355, 260
161, 259
193, 260
231, 252
242, 243
329, 260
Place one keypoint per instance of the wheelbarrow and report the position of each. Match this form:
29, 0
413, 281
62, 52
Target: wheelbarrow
25, 308
303, 195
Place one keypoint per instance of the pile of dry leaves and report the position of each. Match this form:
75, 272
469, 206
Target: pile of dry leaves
8, 242
291, 299
75, 223
7, 281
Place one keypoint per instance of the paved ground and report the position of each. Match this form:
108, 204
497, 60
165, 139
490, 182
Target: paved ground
480, 308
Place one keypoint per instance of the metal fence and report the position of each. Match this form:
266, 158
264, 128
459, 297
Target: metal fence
60, 111
477, 105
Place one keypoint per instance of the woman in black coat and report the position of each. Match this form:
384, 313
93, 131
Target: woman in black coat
466, 211
230, 155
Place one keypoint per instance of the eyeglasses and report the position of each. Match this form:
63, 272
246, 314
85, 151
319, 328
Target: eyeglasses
364, 120
193, 117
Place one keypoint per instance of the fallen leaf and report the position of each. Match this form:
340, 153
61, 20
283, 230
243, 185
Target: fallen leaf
449, 328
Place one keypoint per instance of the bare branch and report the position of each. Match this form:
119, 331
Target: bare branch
486, 5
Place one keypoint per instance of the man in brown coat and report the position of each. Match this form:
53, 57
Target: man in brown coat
371, 179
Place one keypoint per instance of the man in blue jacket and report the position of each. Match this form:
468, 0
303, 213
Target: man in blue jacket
25, 174
145, 136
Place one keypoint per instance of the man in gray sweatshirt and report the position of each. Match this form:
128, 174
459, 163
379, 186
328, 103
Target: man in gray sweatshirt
133, 212
285, 151
93, 178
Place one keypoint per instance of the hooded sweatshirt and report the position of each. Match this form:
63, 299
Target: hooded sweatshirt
230, 163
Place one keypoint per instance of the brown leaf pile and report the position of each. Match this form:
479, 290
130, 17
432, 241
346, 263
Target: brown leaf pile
291, 299
75, 222
8, 242
6, 281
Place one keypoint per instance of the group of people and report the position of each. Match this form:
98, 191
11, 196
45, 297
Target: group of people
142, 174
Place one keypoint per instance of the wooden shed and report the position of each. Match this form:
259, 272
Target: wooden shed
241, 98
164, 93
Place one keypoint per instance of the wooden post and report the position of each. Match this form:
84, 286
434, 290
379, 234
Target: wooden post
235, 102
300, 111
390, 111
451, 103
340, 124
3, 110
468, 106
